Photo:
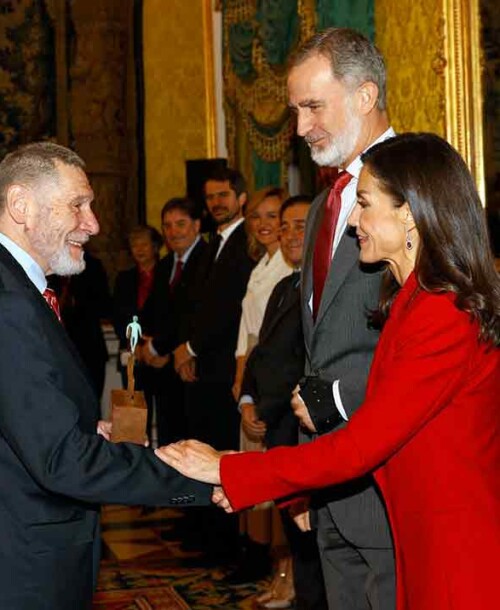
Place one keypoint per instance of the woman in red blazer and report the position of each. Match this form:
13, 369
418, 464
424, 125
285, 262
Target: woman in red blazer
429, 428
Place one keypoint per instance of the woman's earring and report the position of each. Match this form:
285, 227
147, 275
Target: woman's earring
408, 242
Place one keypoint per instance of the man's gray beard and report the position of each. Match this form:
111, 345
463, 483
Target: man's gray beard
335, 154
338, 150
62, 263
329, 156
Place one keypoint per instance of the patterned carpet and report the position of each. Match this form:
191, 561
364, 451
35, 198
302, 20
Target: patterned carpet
144, 567
141, 599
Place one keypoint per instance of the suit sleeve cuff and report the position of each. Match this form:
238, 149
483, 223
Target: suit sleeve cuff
245, 399
319, 398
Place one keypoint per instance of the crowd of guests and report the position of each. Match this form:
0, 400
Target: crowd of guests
202, 309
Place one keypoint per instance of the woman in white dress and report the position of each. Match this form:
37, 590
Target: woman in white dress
262, 218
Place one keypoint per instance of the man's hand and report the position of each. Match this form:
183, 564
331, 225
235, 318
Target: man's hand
192, 459
187, 371
158, 362
181, 356
299, 512
301, 411
220, 499
254, 427
104, 428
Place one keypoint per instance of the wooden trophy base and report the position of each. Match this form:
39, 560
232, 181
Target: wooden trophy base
129, 415
129, 412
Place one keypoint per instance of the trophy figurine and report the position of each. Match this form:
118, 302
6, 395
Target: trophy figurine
128, 407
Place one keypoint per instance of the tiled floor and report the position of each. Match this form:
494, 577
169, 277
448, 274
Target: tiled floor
144, 567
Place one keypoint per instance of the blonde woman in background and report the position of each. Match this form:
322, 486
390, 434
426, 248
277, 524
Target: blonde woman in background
262, 219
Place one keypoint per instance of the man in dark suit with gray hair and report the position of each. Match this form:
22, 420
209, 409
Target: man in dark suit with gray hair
336, 88
56, 463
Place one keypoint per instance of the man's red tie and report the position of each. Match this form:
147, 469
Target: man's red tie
50, 296
324, 239
177, 274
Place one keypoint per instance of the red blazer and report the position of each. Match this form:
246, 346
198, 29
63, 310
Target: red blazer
429, 429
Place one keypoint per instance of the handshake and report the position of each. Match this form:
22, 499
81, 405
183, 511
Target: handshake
198, 461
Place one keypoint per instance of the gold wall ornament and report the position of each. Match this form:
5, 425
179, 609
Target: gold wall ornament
176, 85
410, 36
210, 109
464, 95
432, 52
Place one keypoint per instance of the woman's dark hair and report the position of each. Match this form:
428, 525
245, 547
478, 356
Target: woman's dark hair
454, 253
233, 176
183, 204
295, 200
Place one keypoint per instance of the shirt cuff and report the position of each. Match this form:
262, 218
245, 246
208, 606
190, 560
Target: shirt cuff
245, 399
337, 400
190, 349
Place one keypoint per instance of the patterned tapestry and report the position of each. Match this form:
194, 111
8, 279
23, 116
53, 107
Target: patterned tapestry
27, 73
259, 37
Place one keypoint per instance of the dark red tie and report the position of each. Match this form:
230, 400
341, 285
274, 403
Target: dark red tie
177, 274
50, 296
324, 239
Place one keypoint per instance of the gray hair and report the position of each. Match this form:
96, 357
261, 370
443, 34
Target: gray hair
353, 58
31, 163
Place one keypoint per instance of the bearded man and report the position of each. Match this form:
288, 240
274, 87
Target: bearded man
336, 88
56, 462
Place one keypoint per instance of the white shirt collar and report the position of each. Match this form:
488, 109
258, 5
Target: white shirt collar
354, 168
184, 258
30, 266
228, 231
226, 234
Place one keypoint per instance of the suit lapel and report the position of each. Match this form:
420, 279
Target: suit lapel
312, 226
23, 282
344, 259
230, 244
192, 261
286, 301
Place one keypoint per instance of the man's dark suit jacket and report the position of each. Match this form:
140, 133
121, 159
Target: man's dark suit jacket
221, 287
54, 469
276, 364
173, 307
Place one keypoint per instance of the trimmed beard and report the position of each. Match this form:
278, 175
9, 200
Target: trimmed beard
340, 148
62, 263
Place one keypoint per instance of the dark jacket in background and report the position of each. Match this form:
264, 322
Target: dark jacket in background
85, 301
276, 364
173, 307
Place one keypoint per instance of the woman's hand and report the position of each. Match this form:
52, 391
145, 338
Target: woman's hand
192, 459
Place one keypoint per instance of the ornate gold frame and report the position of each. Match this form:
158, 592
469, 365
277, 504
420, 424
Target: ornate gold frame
464, 95
210, 109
